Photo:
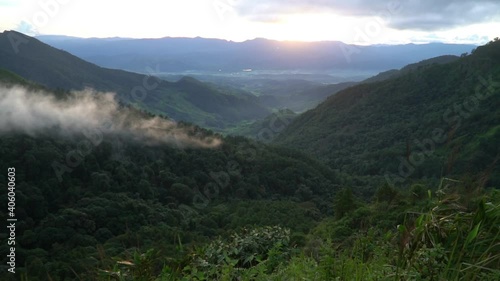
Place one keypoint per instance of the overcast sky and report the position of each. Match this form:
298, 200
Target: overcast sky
351, 21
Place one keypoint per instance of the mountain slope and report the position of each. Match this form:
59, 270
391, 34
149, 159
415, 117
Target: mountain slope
264, 130
11, 78
439, 120
310, 98
393, 73
182, 100
122, 192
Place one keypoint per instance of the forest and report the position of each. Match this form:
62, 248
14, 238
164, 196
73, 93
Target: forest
312, 204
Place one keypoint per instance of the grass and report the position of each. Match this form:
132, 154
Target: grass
452, 238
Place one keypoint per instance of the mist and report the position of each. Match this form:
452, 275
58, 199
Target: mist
35, 112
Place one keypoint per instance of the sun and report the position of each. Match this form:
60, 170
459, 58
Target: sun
313, 27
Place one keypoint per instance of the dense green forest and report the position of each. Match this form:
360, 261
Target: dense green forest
80, 207
243, 211
108, 206
436, 120
266, 129
151, 197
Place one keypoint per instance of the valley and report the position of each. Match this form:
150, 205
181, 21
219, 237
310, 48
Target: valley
161, 159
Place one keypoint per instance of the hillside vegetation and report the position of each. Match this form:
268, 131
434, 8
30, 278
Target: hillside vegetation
404, 185
440, 120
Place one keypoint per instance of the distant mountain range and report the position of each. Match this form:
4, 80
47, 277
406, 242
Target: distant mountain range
170, 55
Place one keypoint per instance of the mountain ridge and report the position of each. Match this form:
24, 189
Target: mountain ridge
41, 63
375, 128
176, 55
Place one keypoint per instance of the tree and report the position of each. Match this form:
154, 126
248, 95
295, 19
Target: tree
343, 203
386, 193
182, 193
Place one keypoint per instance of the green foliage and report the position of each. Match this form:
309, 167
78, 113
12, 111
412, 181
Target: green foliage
141, 267
386, 193
182, 192
248, 248
266, 129
125, 197
428, 122
344, 202
11, 78
250, 211
453, 242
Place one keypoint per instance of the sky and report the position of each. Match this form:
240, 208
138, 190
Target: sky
361, 22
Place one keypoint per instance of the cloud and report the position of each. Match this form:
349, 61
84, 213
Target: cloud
427, 15
36, 112
7, 3
27, 28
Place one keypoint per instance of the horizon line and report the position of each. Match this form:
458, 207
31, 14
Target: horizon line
247, 40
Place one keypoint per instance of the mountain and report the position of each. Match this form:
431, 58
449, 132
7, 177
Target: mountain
121, 192
186, 99
411, 67
300, 100
432, 121
138, 197
9, 78
170, 55
115, 207
264, 130
308, 99
296, 94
